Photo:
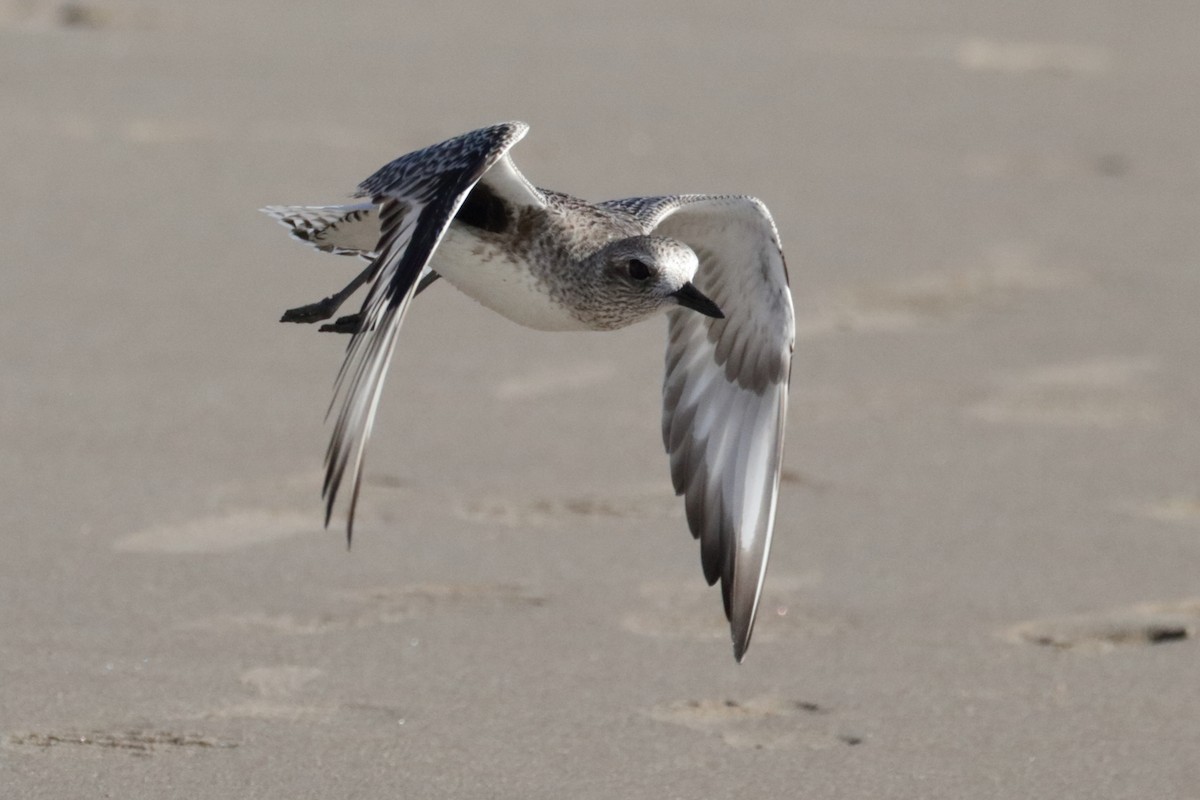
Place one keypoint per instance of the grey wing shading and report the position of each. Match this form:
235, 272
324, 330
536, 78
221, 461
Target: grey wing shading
417, 196
725, 389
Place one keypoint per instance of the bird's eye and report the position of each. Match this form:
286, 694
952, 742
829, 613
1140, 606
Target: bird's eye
638, 270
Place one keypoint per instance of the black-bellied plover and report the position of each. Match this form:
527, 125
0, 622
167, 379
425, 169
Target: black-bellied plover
712, 263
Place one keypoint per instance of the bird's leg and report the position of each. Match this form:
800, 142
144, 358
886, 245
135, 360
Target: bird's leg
324, 309
352, 322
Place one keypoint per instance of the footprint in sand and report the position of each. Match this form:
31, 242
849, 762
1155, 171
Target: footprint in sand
692, 612
764, 723
280, 681
38, 16
134, 741
1098, 393
278, 695
1142, 624
274, 688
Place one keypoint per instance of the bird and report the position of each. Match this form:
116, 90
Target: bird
712, 264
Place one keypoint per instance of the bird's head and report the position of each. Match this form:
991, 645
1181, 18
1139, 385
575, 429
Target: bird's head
643, 275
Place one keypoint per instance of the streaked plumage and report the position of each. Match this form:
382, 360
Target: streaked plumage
461, 210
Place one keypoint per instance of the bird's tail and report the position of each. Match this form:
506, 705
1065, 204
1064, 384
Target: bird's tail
348, 230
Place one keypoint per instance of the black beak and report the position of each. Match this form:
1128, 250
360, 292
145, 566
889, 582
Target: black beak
689, 296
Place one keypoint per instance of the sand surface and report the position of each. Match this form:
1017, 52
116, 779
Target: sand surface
986, 578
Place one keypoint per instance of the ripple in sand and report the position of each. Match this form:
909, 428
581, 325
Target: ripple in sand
1006, 272
220, 534
1179, 510
542, 511
384, 605
1099, 393
1016, 57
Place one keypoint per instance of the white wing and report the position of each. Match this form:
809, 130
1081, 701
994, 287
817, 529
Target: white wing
417, 196
725, 390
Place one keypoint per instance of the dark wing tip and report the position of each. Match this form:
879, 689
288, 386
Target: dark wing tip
418, 195
740, 631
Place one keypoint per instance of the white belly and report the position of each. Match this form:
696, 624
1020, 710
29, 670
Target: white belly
491, 277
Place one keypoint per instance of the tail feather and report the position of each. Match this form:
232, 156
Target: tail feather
348, 230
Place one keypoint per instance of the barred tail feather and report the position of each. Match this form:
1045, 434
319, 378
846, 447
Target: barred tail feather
347, 230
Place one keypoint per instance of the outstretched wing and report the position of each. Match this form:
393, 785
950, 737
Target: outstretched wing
417, 196
725, 390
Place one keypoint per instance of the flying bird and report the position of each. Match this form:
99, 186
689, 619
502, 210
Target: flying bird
713, 264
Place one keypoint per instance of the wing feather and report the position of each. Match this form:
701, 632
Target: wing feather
725, 388
348, 230
417, 195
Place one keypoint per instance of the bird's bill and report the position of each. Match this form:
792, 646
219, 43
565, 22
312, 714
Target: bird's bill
689, 296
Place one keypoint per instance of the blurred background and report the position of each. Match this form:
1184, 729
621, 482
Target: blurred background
985, 575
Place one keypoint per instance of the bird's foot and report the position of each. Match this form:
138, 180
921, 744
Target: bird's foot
313, 312
348, 324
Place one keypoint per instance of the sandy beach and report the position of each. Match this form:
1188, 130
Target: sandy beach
986, 574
